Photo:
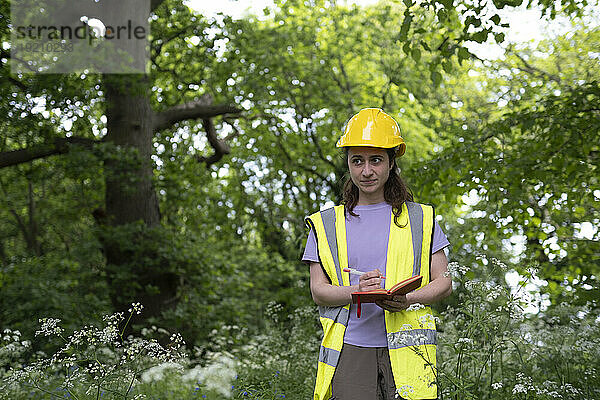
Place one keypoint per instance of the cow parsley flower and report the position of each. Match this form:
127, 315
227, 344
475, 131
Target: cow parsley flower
49, 327
519, 388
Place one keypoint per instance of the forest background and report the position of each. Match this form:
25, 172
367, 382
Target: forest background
185, 190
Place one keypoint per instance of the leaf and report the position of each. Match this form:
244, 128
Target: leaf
500, 4
436, 77
416, 54
405, 27
447, 66
463, 54
480, 37
442, 15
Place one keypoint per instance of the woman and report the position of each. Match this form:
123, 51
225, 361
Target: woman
390, 350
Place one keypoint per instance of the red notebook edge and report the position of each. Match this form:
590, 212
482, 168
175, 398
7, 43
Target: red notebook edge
389, 291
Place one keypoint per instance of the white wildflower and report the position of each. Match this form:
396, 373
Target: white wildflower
49, 327
108, 334
158, 372
470, 285
494, 294
136, 308
567, 387
216, 376
456, 269
519, 388
499, 264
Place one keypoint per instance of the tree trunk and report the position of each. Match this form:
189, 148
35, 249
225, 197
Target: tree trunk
132, 218
130, 195
33, 243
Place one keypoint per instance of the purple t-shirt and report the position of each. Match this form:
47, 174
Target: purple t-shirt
367, 238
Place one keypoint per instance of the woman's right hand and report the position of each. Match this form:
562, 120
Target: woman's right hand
370, 281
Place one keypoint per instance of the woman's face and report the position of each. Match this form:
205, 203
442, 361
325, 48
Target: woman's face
369, 170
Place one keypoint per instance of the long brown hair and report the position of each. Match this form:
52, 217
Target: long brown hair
395, 191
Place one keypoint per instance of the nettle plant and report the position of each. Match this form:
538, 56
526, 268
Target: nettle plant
92, 363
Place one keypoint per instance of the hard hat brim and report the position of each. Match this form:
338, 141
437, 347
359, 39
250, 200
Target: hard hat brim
400, 152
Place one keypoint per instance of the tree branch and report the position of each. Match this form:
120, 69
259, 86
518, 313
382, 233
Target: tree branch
315, 140
235, 131
57, 146
192, 110
530, 69
220, 146
18, 83
154, 4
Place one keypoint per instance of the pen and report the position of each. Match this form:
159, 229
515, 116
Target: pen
357, 272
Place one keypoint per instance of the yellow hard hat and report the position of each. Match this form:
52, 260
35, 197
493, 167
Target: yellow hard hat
373, 128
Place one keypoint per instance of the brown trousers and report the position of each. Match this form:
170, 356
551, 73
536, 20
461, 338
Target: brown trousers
364, 373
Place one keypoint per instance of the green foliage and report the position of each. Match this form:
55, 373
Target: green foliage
35, 287
491, 349
281, 363
50, 248
522, 178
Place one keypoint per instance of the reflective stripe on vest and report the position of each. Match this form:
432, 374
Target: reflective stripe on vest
331, 238
329, 356
328, 218
415, 214
337, 314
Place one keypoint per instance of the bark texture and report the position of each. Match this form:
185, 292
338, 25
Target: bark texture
135, 273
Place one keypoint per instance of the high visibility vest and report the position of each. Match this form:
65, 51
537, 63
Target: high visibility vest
411, 335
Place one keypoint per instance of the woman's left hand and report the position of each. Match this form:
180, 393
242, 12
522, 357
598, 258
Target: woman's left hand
398, 303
